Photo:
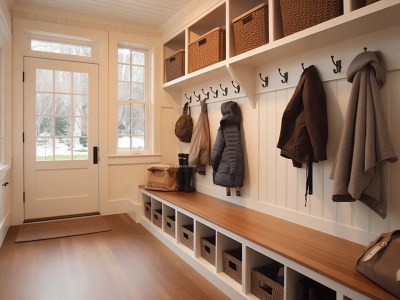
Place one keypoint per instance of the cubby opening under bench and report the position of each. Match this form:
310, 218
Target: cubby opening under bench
202, 229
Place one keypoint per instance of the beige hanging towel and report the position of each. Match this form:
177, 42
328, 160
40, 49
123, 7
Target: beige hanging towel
365, 143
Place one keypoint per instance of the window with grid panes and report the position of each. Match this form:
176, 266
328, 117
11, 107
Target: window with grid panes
133, 97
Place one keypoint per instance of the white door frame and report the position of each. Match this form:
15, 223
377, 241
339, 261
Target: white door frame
21, 30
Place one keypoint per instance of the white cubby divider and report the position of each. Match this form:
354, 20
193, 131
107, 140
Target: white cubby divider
253, 255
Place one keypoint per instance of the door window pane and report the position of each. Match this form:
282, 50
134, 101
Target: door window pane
63, 105
62, 127
80, 127
44, 149
63, 80
80, 149
44, 80
80, 106
44, 127
62, 149
44, 104
62, 123
80, 83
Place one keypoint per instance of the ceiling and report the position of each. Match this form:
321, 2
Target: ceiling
151, 13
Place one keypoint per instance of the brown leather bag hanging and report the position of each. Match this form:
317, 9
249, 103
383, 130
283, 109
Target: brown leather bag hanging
184, 125
380, 262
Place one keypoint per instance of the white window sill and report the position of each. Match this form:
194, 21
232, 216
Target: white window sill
134, 159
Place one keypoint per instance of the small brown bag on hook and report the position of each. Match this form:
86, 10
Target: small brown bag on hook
380, 262
184, 125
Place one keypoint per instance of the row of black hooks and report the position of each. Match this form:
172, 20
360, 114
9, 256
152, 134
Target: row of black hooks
264, 79
285, 75
215, 93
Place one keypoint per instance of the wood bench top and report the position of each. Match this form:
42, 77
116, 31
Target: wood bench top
323, 253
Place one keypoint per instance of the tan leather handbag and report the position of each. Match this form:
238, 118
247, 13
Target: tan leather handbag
162, 178
380, 262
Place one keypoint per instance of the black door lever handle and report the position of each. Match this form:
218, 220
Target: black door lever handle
95, 155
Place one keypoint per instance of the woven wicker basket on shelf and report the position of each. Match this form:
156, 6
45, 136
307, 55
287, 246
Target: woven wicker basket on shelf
232, 264
299, 15
207, 50
175, 65
250, 29
170, 225
147, 210
264, 283
186, 234
157, 217
208, 249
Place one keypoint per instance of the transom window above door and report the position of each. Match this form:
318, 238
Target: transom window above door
61, 115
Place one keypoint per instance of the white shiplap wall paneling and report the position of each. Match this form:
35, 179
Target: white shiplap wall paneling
279, 187
394, 121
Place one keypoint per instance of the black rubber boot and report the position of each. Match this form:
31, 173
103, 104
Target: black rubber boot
189, 179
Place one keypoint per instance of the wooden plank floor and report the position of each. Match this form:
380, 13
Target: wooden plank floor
125, 263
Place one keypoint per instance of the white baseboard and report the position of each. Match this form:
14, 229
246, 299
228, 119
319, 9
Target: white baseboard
4, 226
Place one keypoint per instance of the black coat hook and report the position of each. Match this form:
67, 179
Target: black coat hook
338, 65
285, 76
237, 87
215, 93
265, 81
189, 99
302, 65
365, 49
224, 90
197, 96
206, 94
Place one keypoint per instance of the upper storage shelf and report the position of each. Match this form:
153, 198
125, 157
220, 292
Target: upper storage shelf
357, 19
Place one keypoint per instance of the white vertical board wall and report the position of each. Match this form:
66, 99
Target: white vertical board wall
272, 185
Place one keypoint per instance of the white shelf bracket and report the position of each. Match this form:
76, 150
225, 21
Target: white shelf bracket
244, 76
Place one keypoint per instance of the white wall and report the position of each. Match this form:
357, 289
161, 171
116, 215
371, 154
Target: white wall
120, 175
5, 168
271, 184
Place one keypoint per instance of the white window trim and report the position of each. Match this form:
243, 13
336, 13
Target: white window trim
149, 91
148, 69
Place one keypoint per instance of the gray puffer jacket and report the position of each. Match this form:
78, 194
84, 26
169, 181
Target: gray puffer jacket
227, 155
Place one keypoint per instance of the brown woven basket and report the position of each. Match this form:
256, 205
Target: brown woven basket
175, 65
263, 282
187, 236
298, 15
207, 50
208, 249
250, 29
368, 2
232, 264
169, 225
147, 210
157, 217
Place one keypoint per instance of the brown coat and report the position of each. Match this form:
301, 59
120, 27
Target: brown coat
304, 130
199, 152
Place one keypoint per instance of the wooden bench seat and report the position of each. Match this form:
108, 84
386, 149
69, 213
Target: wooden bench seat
328, 255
